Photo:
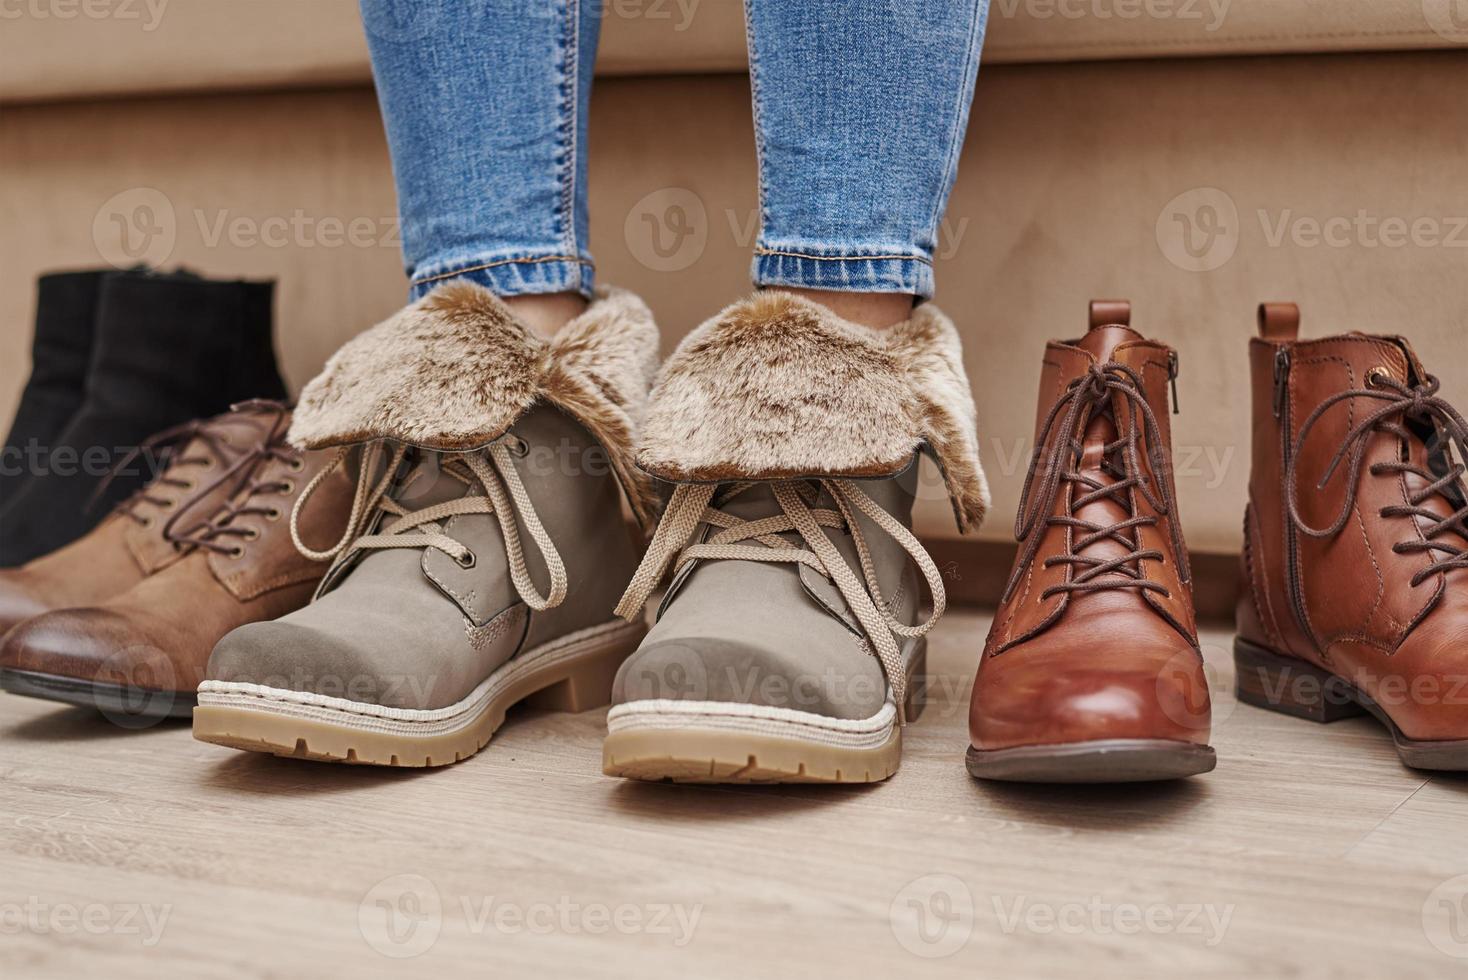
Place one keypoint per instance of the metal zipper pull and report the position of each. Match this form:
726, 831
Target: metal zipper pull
1172, 372
1281, 379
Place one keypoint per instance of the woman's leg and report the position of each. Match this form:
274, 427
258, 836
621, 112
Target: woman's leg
485, 105
860, 111
790, 644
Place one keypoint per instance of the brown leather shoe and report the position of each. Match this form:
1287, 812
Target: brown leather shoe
137, 539
1356, 553
139, 655
1092, 672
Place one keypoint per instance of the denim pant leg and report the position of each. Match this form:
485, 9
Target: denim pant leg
485, 106
860, 109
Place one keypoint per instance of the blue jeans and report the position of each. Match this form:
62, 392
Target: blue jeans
860, 107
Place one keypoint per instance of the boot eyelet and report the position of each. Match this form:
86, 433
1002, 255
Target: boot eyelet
297, 465
273, 514
287, 487
1378, 374
252, 534
237, 552
466, 560
147, 522
519, 447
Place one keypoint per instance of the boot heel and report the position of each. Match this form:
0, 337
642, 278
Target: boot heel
587, 683
917, 683
1291, 686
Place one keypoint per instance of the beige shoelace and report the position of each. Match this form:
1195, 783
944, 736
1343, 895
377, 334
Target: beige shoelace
504, 496
695, 504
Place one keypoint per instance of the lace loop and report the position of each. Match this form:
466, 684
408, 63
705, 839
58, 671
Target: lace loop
693, 504
505, 496
1093, 392
168, 446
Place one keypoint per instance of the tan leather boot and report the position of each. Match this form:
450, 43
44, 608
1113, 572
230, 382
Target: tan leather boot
1091, 672
139, 655
138, 538
1355, 565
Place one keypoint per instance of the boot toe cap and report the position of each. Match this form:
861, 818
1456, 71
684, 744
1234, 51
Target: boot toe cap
288, 655
728, 670
1027, 697
95, 645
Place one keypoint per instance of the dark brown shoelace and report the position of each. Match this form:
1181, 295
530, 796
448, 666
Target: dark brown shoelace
1084, 398
241, 499
165, 447
1402, 402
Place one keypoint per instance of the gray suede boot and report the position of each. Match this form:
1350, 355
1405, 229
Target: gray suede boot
487, 545
790, 645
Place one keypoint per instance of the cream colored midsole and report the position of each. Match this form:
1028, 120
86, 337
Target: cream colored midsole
408, 721
668, 714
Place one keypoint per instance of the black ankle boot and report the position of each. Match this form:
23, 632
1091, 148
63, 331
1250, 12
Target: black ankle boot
169, 348
66, 319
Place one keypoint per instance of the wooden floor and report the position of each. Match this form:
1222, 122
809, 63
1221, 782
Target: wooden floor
1309, 852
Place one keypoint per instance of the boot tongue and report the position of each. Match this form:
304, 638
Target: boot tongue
1101, 342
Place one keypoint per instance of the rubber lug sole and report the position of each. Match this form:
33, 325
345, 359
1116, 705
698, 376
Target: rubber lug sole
578, 680
691, 755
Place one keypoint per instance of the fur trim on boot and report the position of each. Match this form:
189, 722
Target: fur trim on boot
456, 369
777, 387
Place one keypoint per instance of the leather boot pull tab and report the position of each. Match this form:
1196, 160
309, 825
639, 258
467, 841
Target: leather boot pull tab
1110, 313
1279, 321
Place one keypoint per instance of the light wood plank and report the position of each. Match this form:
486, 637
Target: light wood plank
1315, 843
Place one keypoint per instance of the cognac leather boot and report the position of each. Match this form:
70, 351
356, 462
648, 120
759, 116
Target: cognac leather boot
1092, 673
169, 348
61, 347
487, 546
140, 536
790, 643
139, 655
1355, 566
